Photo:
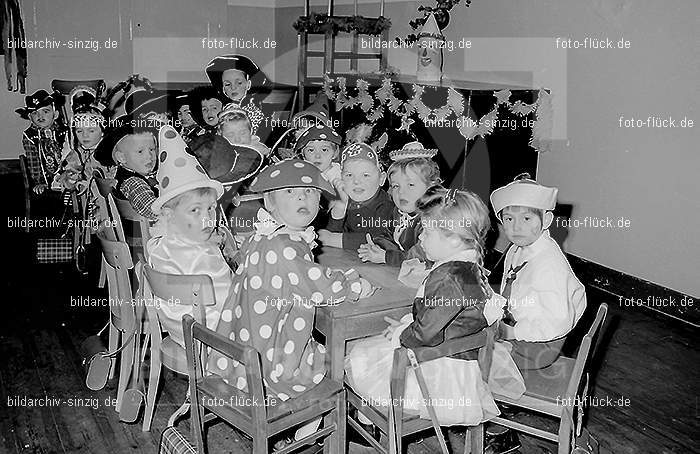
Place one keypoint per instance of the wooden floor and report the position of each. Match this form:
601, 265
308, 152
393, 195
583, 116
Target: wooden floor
648, 369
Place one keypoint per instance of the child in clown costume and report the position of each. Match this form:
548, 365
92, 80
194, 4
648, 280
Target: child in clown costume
278, 286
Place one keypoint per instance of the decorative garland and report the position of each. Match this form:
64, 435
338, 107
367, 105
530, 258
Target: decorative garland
384, 97
323, 23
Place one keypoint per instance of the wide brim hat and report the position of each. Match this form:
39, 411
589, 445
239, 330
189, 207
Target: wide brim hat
197, 95
318, 110
178, 171
412, 150
224, 162
290, 173
35, 101
360, 151
141, 103
317, 132
526, 193
216, 67
118, 129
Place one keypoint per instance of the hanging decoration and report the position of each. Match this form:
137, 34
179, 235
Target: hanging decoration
323, 23
384, 98
441, 11
12, 45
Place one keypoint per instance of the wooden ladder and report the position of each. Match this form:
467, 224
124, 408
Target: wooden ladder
330, 55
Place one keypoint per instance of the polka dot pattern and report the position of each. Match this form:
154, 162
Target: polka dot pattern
299, 388
314, 273
244, 335
276, 282
255, 282
222, 363
293, 278
241, 383
299, 165
170, 134
269, 354
271, 257
306, 179
227, 315
165, 182
254, 258
289, 347
337, 286
289, 253
163, 156
238, 312
356, 287
180, 162
317, 378
265, 331
274, 173
260, 307
317, 297
299, 324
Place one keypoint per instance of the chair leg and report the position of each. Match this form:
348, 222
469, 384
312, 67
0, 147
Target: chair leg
474, 440
126, 363
153, 381
113, 343
338, 438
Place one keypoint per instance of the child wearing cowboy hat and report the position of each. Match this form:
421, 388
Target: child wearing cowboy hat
43, 140
278, 286
411, 173
234, 76
184, 240
364, 208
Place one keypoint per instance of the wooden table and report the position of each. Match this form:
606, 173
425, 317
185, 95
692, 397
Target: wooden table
366, 317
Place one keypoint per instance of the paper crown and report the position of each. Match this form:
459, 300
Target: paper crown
431, 29
317, 132
526, 193
35, 101
412, 150
178, 171
232, 109
318, 110
290, 173
216, 67
360, 151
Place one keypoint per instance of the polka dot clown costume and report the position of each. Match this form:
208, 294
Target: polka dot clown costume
276, 290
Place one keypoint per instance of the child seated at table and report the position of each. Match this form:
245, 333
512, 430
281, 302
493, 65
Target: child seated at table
278, 286
319, 145
410, 175
544, 298
449, 304
132, 147
184, 240
364, 207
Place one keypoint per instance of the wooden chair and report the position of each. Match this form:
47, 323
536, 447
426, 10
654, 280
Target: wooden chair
114, 231
261, 420
407, 424
559, 391
136, 228
122, 315
191, 290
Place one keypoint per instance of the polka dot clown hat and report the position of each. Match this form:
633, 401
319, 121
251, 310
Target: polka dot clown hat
230, 110
526, 193
317, 132
360, 151
178, 171
412, 150
290, 173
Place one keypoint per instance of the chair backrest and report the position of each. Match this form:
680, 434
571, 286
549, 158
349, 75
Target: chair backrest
26, 178
135, 227
195, 290
114, 231
117, 257
578, 388
197, 338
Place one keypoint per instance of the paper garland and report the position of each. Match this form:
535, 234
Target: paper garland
373, 107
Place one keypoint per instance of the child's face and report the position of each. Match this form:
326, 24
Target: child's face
236, 131
194, 217
406, 188
436, 244
522, 226
320, 153
137, 152
362, 178
294, 207
185, 117
43, 118
236, 84
88, 136
210, 111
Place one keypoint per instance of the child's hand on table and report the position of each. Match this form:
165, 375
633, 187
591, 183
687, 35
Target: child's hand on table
334, 239
367, 289
370, 252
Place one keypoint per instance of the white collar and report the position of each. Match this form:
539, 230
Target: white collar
267, 226
533, 249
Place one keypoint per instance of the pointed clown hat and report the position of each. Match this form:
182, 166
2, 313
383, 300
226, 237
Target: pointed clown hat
290, 173
412, 150
523, 192
178, 171
431, 29
318, 110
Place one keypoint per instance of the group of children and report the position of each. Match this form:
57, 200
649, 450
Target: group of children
331, 195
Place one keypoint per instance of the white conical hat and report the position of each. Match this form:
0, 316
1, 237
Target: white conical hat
178, 171
431, 29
